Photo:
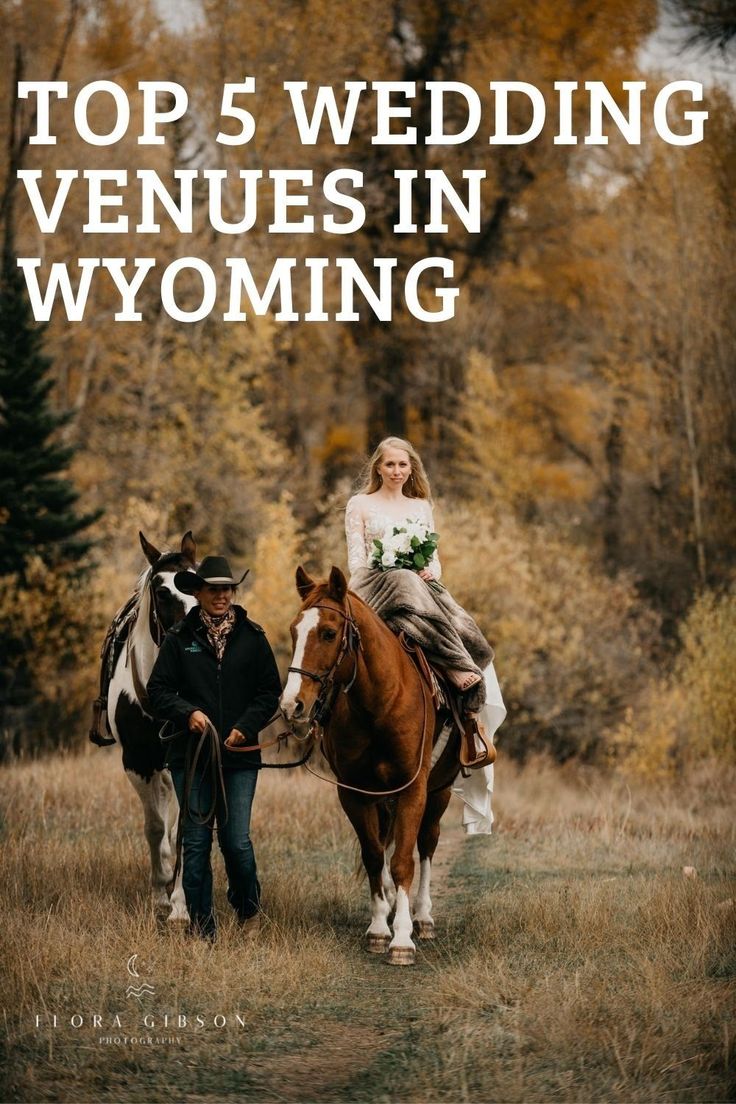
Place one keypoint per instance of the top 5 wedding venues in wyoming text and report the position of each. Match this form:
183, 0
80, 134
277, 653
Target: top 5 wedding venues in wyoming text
298, 201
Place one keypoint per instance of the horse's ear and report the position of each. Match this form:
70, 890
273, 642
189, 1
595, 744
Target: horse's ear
304, 583
338, 584
189, 547
150, 551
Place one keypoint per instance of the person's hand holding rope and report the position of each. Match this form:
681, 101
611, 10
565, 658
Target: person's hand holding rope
198, 721
236, 738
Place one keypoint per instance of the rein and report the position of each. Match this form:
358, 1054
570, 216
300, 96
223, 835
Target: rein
209, 741
382, 793
271, 743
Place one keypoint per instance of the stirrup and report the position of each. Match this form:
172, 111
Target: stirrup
94, 735
476, 750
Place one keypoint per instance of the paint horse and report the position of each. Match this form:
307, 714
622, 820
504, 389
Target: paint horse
351, 676
156, 605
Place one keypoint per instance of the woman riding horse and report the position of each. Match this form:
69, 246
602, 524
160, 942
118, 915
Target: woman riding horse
393, 504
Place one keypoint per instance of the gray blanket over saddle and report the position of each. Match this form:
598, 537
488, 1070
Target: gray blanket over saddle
448, 635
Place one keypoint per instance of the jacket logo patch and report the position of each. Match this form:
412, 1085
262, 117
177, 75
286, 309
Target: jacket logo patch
194, 648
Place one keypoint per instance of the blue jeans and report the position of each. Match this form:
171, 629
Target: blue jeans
233, 835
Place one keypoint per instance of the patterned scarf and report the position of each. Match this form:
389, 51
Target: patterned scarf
218, 630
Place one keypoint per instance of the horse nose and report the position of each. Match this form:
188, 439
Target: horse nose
293, 708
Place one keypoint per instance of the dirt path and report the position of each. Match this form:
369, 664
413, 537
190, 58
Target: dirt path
322, 1070
565, 945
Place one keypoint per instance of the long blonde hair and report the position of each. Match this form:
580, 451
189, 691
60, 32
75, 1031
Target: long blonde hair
416, 486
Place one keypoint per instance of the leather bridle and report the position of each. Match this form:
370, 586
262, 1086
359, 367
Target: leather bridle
328, 690
320, 712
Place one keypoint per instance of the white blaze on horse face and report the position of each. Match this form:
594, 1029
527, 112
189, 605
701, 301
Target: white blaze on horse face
308, 621
187, 600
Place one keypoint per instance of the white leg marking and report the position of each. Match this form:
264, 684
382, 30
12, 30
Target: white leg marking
306, 623
389, 889
177, 901
380, 909
152, 796
423, 903
402, 921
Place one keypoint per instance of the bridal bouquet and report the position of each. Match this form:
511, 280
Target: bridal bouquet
411, 546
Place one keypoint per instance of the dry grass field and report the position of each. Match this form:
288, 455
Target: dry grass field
574, 960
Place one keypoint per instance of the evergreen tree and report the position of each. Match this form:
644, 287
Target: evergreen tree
37, 503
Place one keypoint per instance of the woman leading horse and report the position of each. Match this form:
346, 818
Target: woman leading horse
216, 681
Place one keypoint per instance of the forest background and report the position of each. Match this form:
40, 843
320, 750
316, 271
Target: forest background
577, 417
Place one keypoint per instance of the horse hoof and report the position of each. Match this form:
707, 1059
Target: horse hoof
423, 929
401, 956
378, 944
177, 923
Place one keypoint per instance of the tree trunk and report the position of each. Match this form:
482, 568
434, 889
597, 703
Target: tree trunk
614, 452
695, 486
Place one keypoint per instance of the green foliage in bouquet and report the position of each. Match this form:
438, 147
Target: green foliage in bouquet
411, 546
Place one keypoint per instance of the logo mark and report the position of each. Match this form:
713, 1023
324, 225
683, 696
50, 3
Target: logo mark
137, 991
143, 990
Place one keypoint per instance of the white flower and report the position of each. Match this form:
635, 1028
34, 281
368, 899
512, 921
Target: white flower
388, 559
416, 529
402, 542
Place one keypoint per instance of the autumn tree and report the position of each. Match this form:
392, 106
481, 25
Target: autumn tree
38, 503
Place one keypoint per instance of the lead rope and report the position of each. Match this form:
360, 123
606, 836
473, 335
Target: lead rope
216, 776
217, 779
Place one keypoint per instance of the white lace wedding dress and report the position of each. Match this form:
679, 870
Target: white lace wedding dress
368, 518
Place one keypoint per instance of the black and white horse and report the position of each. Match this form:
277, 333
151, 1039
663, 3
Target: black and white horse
156, 606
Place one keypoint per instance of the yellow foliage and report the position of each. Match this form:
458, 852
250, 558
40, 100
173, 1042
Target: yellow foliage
272, 598
647, 749
510, 444
691, 715
707, 672
51, 627
571, 643
343, 445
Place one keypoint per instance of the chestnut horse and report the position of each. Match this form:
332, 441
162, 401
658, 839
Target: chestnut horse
351, 677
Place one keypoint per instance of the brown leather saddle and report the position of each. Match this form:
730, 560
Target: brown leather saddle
475, 747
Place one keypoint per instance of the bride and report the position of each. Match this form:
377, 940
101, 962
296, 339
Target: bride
396, 495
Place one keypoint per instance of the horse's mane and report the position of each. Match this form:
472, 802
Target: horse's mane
140, 585
322, 590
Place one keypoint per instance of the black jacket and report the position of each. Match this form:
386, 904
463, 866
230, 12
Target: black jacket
242, 692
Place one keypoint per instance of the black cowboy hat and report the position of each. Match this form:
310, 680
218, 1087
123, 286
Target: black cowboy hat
213, 570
